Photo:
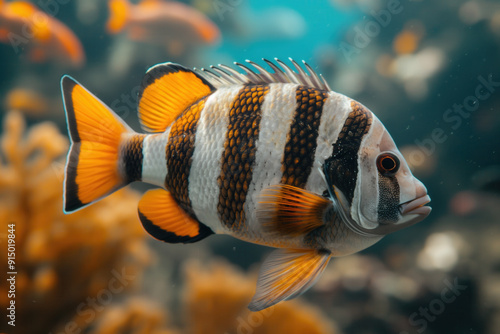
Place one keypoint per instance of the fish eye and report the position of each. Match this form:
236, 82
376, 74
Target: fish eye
387, 164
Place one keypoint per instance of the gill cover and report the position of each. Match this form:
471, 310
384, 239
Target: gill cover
370, 180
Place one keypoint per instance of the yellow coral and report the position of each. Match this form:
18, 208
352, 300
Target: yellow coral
61, 260
137, 315
216, 298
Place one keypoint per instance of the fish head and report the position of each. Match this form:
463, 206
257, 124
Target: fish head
373, 186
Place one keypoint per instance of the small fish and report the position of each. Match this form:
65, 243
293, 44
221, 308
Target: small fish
169, 23
22, 25
276, 159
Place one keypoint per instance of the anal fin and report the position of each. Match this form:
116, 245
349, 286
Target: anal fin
286, 274
165, 220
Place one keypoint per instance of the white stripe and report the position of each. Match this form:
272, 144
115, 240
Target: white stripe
335, 111
277, 110
367, 179
154, 164
208, 148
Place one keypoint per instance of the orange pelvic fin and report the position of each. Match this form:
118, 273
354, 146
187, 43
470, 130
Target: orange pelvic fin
288, 210
119, 11
286, 274
96, 132
165, 220
167, 90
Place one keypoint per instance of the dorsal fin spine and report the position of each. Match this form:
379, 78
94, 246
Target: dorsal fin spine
222, 75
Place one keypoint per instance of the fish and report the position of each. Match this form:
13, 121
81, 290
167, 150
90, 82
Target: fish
23, 25
168, 23
274, 158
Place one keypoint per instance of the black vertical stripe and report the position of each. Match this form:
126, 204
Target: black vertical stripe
133, 157
179, 154
238, 158
67, 86
341, 168
71, 200
301, 143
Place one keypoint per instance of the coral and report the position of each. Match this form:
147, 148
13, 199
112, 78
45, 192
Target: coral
216, 298
136, 315
63, 262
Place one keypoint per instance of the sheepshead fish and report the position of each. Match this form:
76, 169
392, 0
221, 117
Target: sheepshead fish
273, 158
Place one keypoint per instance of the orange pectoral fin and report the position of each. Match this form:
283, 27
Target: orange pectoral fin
292, 211
165, 220
167, 90
286, 274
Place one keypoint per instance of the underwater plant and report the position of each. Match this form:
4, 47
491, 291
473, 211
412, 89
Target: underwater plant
62, 262
215, 300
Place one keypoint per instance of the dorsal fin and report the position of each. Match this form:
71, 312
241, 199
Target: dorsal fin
222, 75
167, 90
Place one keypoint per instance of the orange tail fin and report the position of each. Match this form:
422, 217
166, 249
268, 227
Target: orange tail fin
96, 133
119, 11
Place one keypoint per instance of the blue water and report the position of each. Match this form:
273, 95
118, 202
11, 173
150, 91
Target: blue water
324, 25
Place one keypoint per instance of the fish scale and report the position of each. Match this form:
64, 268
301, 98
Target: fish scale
276, 159
179, 152
301, 145
243, 132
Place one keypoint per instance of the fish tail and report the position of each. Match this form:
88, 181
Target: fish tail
119, 12
101, 157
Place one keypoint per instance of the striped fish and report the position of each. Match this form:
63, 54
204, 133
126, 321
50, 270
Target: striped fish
273, 158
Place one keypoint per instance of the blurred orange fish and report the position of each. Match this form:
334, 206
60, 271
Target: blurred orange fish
172, 24
23, 25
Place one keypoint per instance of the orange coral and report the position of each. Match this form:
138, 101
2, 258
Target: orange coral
216, 299
60, 260
137, 315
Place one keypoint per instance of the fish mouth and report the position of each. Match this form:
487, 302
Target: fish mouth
416, 206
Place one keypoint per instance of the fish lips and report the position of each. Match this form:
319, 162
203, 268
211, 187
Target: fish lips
412, 212
416, 207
